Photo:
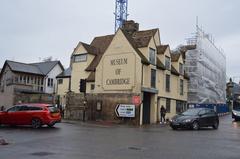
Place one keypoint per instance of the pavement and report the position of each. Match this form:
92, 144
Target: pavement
96, 140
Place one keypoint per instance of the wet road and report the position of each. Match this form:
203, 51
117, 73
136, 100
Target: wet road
90, 141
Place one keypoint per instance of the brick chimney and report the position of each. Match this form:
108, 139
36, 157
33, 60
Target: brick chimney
130, 26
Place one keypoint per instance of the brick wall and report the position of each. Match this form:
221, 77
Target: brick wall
75, 107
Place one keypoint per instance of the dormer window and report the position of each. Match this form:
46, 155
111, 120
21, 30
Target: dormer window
80, 58
181, 70
167, 63
152, 56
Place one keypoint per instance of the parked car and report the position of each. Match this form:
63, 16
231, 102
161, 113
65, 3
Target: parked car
35, 115
236, 114
195, 118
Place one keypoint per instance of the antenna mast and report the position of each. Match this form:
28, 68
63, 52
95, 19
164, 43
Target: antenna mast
121, 9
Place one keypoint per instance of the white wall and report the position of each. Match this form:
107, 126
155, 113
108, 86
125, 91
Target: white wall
52, 74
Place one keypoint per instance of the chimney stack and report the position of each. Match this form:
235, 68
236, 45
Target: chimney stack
130, 27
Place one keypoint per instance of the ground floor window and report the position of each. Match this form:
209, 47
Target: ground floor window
181, 106
168, 105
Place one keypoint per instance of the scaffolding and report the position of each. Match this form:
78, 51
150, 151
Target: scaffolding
206, 67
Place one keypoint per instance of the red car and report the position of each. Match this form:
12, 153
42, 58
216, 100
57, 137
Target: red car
35, 115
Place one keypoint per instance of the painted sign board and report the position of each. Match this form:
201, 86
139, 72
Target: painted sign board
125, 110
119, 71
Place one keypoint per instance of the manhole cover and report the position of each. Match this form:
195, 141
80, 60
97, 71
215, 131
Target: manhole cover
134, 148
42, 153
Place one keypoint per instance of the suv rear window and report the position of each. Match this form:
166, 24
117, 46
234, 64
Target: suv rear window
53, 109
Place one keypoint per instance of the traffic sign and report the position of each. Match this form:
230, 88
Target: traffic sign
136, 100
125, 110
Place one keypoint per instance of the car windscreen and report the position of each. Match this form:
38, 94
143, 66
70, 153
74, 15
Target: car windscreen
53, 109
191, 112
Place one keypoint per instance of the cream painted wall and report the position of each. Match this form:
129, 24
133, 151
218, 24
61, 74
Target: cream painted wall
118, 49
78, 68
88, 87
62, 89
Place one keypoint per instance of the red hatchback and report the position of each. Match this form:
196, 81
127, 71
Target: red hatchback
35, 115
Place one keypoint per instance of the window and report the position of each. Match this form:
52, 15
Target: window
179, 107
42, 81
152, 56
168, 105
153, 78
168, 83
32, 108
60, 81
167, 63
28, 79
181, 70
24, 79
16, 79
14, 109
92, 86
20, 79
80, 58
38, 81
50, 82
181, 87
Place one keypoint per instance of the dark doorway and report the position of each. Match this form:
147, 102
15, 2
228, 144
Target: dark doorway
146, 107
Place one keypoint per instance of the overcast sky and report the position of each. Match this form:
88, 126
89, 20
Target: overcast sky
31, 30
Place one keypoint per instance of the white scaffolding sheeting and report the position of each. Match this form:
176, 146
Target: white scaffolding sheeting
206, 68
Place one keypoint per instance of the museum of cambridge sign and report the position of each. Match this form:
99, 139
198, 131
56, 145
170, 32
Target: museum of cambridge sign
119, 71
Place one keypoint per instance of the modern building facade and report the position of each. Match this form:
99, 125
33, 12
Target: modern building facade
128, 65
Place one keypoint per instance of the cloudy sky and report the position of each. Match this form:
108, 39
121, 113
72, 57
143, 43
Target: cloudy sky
31, 30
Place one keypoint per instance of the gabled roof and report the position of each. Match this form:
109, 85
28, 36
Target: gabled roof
175, 57
174, 71
160, 65
42, 68
102, 44
46, 67
90, 49
22, 67
142, 38
65, 74
135, 47
161, 49
91, 77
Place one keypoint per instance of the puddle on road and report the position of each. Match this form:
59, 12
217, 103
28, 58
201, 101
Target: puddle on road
42, 153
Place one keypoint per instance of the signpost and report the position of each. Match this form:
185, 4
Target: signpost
125, 110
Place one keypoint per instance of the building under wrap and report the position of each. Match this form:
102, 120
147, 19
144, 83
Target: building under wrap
206, 67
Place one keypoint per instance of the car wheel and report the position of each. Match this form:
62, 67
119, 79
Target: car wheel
195, 125
36, 123
216, 124
174, 128
51, 125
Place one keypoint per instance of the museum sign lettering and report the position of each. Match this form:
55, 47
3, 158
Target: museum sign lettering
118, 71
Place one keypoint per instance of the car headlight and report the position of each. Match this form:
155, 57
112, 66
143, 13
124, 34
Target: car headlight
187, 120
234, 112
